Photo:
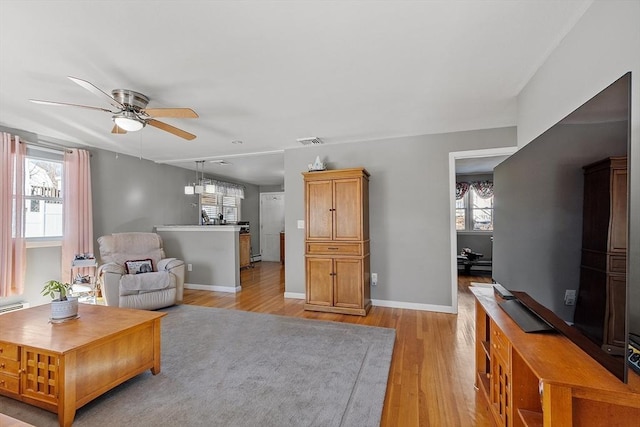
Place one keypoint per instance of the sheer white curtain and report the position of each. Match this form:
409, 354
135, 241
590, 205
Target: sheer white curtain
13, 251
78, 213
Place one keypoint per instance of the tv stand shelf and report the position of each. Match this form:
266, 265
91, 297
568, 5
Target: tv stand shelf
544, 379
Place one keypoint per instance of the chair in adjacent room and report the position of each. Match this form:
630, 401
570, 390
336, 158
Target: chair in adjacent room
136, 273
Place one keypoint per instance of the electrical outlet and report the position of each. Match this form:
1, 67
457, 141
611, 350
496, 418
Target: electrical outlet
374, 279
301, 224
570, 297
189, 267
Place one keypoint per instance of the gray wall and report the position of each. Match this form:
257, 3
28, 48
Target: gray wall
602, 46
410, 220
538, 210
132, 194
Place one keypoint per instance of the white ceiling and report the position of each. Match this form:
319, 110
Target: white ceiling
269, 72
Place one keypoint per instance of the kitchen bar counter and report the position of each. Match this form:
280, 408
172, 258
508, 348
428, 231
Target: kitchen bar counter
210, 253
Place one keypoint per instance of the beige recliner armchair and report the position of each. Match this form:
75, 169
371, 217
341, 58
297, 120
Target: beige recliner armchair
136, 273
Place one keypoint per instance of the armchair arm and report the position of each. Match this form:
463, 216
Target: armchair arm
109, 278
176, 267
111, 267
169, 263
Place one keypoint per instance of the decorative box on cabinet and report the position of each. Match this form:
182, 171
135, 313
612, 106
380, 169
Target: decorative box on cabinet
543, 379
337, 241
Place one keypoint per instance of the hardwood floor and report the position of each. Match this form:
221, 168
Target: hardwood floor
431, 375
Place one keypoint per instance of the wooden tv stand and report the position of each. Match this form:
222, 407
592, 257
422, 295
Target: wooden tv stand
543, 379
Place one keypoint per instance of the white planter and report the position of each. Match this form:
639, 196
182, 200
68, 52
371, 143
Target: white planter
64, 309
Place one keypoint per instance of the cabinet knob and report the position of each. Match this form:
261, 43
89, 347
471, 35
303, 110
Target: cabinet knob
2, 365
1, 349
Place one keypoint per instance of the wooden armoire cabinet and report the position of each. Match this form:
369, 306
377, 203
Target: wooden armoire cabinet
603, 272
337, 241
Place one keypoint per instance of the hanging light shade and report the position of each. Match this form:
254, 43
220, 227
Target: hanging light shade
188, 189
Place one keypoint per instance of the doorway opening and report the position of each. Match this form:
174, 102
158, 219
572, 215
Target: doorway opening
271, 225
469, 163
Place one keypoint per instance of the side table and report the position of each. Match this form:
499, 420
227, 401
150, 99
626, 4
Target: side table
85, 290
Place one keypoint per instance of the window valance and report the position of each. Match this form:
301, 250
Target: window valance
484, 189
212, 186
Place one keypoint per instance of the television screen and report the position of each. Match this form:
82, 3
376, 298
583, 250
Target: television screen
552, 198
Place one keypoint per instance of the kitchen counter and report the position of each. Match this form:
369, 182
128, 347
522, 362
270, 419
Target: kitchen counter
210, 253
229, 227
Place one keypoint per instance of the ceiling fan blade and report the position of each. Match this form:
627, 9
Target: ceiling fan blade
118, 130
180, 113
64, 104
171, 129
97, 91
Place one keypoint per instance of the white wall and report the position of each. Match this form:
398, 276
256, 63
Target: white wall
410, 220
602, 46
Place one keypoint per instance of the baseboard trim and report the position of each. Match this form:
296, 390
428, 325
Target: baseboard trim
392, 304
213, 288
414, 306
294, 295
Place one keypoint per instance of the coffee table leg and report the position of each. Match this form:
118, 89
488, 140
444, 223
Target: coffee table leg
157, 345
67, 395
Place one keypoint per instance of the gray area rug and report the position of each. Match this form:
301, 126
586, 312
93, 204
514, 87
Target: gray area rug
233, 368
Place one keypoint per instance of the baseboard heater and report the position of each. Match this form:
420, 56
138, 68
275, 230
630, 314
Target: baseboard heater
12, 307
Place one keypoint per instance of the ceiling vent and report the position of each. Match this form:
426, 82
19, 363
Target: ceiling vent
312, 140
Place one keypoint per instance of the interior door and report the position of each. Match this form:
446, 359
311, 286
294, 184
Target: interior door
271, 224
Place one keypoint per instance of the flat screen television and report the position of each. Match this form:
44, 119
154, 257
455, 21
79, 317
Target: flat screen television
538, 224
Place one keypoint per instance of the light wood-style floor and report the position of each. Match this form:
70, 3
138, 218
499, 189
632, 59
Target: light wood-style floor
431, 376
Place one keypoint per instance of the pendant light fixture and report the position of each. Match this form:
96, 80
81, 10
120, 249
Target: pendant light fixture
198, 186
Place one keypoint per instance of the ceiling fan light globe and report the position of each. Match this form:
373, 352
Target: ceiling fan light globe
128, 124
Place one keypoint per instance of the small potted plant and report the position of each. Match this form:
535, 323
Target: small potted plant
65, 306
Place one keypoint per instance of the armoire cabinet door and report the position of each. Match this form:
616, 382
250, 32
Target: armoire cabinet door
319, 195
348, 283
347, 203
320, 281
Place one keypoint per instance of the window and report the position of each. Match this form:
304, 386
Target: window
474, 213
216, 204
481, 212
43, 196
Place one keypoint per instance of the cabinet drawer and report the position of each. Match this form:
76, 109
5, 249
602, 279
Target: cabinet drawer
334, 248
499, 343
8, 351
617, 264
9, 366
9, 383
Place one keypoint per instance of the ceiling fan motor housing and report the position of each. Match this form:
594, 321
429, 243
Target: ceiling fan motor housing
130, 98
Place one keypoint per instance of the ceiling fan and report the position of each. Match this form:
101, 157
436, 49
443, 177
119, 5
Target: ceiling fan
132, 114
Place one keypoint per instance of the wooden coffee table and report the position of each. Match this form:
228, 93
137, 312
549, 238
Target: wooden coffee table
61, 367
